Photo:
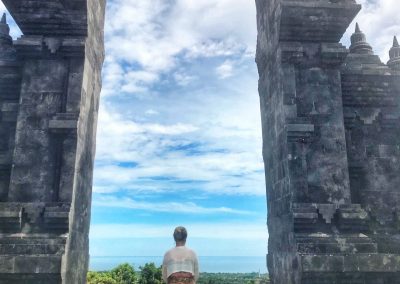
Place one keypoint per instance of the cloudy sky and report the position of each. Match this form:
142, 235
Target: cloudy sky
179, 135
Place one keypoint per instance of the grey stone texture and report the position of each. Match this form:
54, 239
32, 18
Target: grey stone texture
50, 81
331, 146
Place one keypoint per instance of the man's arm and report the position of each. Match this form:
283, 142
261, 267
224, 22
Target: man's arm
196, 267
164, 271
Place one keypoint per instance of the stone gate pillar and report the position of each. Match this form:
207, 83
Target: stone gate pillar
50, 81
319, 232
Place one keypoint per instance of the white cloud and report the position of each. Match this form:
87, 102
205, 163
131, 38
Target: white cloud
176, 129
157, 38
136, 81
151, 35
213, 48
225, 70
151, 112
183, 79
176, 207
228, 231
115, 124
209, 137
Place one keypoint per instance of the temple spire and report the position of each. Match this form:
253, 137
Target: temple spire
7, 51
394, 54
357, 28
395, 42
5, 38
359, 43
4, 28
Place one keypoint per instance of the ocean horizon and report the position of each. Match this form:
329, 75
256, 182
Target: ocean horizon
211, 264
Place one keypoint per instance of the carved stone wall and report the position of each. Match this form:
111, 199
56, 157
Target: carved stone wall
331, 133
50, 81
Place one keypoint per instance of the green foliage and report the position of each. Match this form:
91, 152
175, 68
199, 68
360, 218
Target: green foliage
150, 274
100, 278
124, 274
232, 278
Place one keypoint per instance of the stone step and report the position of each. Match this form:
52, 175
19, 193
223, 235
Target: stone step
34, 218
30, 264
21, 244
361, 262
49, 278
349, 278
322, 243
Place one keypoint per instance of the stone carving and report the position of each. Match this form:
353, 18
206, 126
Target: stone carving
50, 80
53, 44
331, 146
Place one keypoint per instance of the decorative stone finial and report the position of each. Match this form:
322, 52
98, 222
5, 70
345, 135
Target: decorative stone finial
359, 43
7, 51
395, 42
358, 28
394, 55
4, 28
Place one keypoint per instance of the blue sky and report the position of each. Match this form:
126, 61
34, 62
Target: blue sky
179, 134
184, 129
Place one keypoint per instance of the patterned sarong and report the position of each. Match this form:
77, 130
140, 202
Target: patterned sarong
181, 278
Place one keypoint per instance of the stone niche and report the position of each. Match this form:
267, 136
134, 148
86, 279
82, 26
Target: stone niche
50, 81
331, 146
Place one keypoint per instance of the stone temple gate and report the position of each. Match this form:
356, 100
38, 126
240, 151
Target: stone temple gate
50, 82
331, 131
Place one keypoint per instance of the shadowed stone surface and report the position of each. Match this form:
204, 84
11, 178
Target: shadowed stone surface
50, 81
330, 118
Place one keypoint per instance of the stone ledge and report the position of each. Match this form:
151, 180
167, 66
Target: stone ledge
321, 243
63, 124
300, 127
333, 53
51, 17
66, 121
48, 278
316, 21
350, 263
40, 46
33, 218
30, 264
9, 107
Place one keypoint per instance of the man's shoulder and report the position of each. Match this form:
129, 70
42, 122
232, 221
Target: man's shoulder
184, 248
191, 251
169, 251
180, 249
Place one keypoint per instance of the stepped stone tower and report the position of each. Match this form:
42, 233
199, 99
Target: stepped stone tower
331, 131
50, 80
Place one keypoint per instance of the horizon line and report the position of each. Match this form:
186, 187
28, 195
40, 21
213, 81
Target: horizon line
162, 256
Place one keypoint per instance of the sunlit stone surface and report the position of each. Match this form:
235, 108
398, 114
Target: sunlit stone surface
50, 82
331, 132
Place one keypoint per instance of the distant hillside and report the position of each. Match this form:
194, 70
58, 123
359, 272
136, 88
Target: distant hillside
151, 274
233, 278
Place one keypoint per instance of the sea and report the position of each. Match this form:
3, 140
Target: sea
212, 264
